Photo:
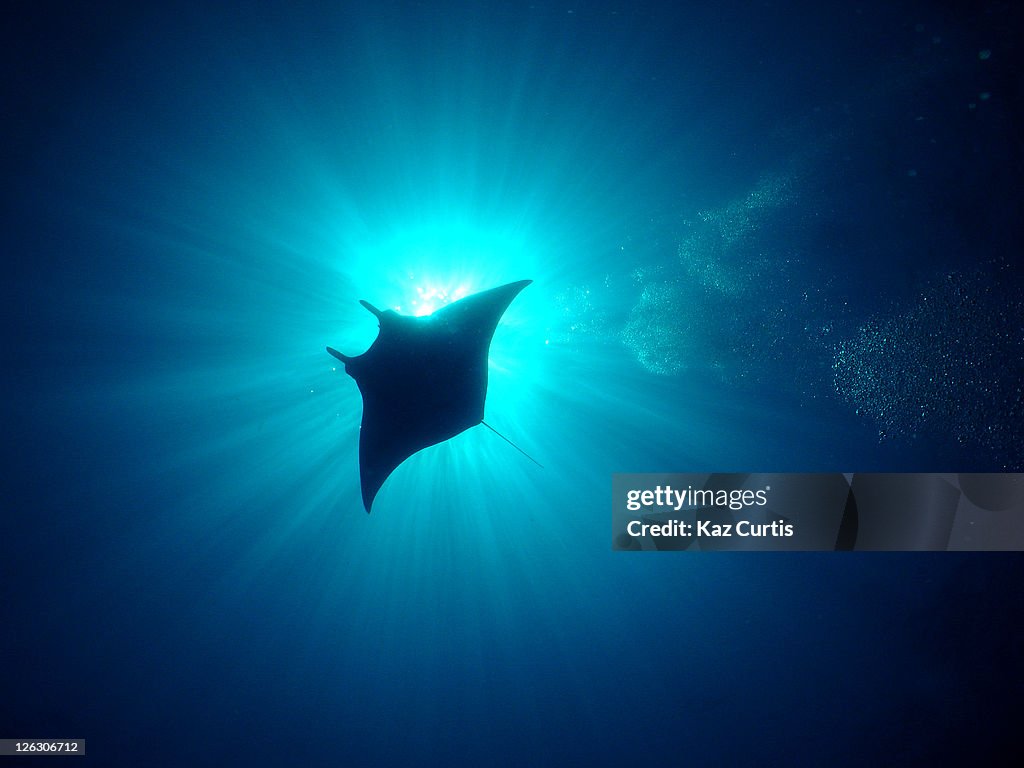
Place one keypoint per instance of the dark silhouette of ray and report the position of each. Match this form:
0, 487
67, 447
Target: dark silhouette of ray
423, 380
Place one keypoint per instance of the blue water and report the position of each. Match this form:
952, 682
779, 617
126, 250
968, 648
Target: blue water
762, 238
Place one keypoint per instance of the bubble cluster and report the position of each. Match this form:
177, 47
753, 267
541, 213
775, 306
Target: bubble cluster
580, 311
951, 365
742, 218
755, 298
660, 329
732, 302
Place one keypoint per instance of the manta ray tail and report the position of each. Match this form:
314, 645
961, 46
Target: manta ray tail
512, 444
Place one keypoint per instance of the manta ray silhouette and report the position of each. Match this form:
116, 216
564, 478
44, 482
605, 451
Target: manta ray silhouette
423, 380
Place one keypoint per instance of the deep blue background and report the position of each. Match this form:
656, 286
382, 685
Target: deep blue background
735, 218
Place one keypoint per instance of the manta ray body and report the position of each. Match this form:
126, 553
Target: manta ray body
423, 380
